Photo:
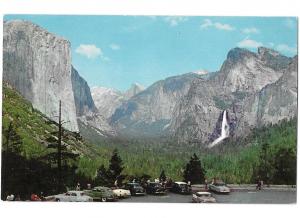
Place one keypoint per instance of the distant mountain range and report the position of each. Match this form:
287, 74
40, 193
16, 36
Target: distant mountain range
254, 88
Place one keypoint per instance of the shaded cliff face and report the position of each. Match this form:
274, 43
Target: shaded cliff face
254, 88
38, 64
148, 113
82, 94
86, 111
275, 102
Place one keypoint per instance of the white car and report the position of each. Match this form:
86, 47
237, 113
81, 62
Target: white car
73, 196
121, 193
219, 187
203, 197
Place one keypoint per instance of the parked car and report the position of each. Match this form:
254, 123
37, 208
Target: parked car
181, 188
155, 188
135, 188
121, 193
101, 193
73, 196
219, 187
203, 197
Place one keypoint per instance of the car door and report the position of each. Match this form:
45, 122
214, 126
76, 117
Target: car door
73, 197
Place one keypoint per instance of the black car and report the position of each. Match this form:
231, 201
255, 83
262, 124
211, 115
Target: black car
181, 188
135, 188
155, 188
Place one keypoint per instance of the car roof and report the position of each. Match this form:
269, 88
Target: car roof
203, 193
181, 183
133, 183
101, 187
75, 191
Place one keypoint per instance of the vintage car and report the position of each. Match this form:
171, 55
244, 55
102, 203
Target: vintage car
73, 196
219, 187
181, 188
155, 188
121, 193
135, 188
203, 197
101, 193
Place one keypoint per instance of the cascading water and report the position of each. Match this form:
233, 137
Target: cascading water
224, 131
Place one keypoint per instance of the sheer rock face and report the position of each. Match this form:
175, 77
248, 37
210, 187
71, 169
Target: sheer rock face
275, 102
82, 95
107, 100
38, 65
148, 113
86, 110
255, 89
133, 90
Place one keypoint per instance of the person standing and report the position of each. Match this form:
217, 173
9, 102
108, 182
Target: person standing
78, 187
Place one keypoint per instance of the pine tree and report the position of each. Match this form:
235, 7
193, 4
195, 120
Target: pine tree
162, 176
194, 172
102, 176
115, 168
12, 142
285, 167
265, 168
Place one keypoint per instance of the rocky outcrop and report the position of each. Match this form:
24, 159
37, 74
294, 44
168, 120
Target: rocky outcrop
82, 95
149, 112
275, 102
86, 111
254, 88
133, 90
107, 100
38, 65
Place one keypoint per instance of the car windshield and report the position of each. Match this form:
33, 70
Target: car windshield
203, 195
183, 185
220, 184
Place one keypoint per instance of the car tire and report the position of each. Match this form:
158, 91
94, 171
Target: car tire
57, 200
103, 199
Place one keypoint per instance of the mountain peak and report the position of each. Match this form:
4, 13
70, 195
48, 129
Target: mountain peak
133, 90
262, 51
237, 53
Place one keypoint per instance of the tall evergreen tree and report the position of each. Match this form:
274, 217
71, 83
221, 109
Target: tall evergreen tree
265, 168
162, 176
285, 167
194, 172
115, 168
12, 141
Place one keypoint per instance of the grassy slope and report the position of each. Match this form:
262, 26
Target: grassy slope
34, 127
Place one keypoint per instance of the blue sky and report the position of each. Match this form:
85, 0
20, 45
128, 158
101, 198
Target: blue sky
116, 51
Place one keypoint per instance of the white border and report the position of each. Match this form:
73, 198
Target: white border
147, 7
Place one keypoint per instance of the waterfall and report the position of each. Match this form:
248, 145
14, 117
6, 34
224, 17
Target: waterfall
224, 131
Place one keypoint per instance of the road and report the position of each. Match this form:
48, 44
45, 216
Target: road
237, 197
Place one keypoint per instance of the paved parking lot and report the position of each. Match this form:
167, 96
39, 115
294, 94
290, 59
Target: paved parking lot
237, 197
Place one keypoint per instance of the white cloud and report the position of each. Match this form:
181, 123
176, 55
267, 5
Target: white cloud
175, 20
249, 43
220, 26
90, 51
250, 30
286, 48
114, 46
